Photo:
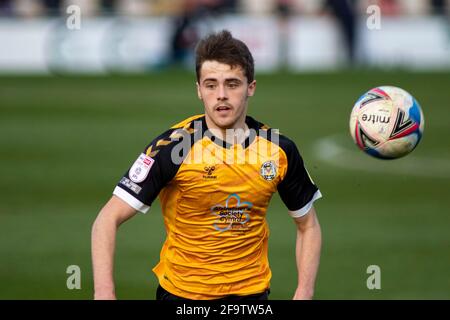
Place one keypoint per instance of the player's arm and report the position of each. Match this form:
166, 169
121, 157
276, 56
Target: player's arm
307, 253
111, 216
298, 192
136, 191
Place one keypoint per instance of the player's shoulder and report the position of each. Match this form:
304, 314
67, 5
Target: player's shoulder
172, 136
273, 135
287, 144
187, 123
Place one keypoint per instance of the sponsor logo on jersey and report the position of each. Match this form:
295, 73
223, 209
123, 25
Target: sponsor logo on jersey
234, 215
141, 167
268, 170
130, 185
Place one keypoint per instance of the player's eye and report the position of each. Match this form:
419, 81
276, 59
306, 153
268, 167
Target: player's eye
210, 86
233, 85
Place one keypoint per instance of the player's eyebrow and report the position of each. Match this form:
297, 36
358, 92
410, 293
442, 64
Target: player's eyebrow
226, 80
233, 80
209, 80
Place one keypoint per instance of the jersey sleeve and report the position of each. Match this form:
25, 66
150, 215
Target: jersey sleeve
148, 175
297, 190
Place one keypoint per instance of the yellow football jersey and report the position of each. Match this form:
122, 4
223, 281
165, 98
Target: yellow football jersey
214, 198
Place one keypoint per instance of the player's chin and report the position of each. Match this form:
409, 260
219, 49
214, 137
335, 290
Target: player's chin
225, 121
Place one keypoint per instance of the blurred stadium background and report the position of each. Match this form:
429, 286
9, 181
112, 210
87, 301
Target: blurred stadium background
79, 99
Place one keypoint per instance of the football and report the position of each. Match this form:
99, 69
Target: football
386, 122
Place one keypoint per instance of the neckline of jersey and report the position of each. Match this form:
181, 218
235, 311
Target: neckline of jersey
251, 123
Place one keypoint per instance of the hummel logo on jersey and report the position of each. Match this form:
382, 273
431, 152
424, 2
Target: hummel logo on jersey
209, 170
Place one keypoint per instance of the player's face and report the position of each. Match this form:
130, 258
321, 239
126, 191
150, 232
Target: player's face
224, 92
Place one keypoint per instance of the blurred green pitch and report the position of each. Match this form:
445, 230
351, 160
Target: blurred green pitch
66, 141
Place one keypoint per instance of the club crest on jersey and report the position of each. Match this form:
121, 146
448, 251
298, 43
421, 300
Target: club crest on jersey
268, 170
141, 167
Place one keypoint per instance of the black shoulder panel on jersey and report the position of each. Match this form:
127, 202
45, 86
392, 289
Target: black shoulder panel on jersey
165, 154
261, 130
297, 188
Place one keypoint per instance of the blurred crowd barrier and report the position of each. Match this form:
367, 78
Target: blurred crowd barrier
33, 8
300, 35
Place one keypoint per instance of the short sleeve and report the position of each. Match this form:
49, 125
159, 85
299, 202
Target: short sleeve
148, 175
297, 190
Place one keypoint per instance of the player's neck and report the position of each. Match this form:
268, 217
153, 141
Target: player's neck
235, 134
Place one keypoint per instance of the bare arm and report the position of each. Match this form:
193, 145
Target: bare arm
113, 214
307, 252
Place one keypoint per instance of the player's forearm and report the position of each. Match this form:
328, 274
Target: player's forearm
103, 247
308, 246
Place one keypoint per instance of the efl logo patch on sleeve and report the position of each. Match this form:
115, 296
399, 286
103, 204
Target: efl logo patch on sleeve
141, 167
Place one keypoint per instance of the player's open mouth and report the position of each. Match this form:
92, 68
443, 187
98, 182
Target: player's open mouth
223, 108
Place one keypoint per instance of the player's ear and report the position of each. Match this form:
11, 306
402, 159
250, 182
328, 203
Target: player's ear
251, 88
199, 94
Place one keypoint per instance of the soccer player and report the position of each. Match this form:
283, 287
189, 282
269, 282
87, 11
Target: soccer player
215, 174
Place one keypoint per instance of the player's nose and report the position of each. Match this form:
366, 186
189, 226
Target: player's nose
222, 93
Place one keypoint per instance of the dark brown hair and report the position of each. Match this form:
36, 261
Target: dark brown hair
222, 47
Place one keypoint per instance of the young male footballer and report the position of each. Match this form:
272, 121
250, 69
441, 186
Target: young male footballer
215, 174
